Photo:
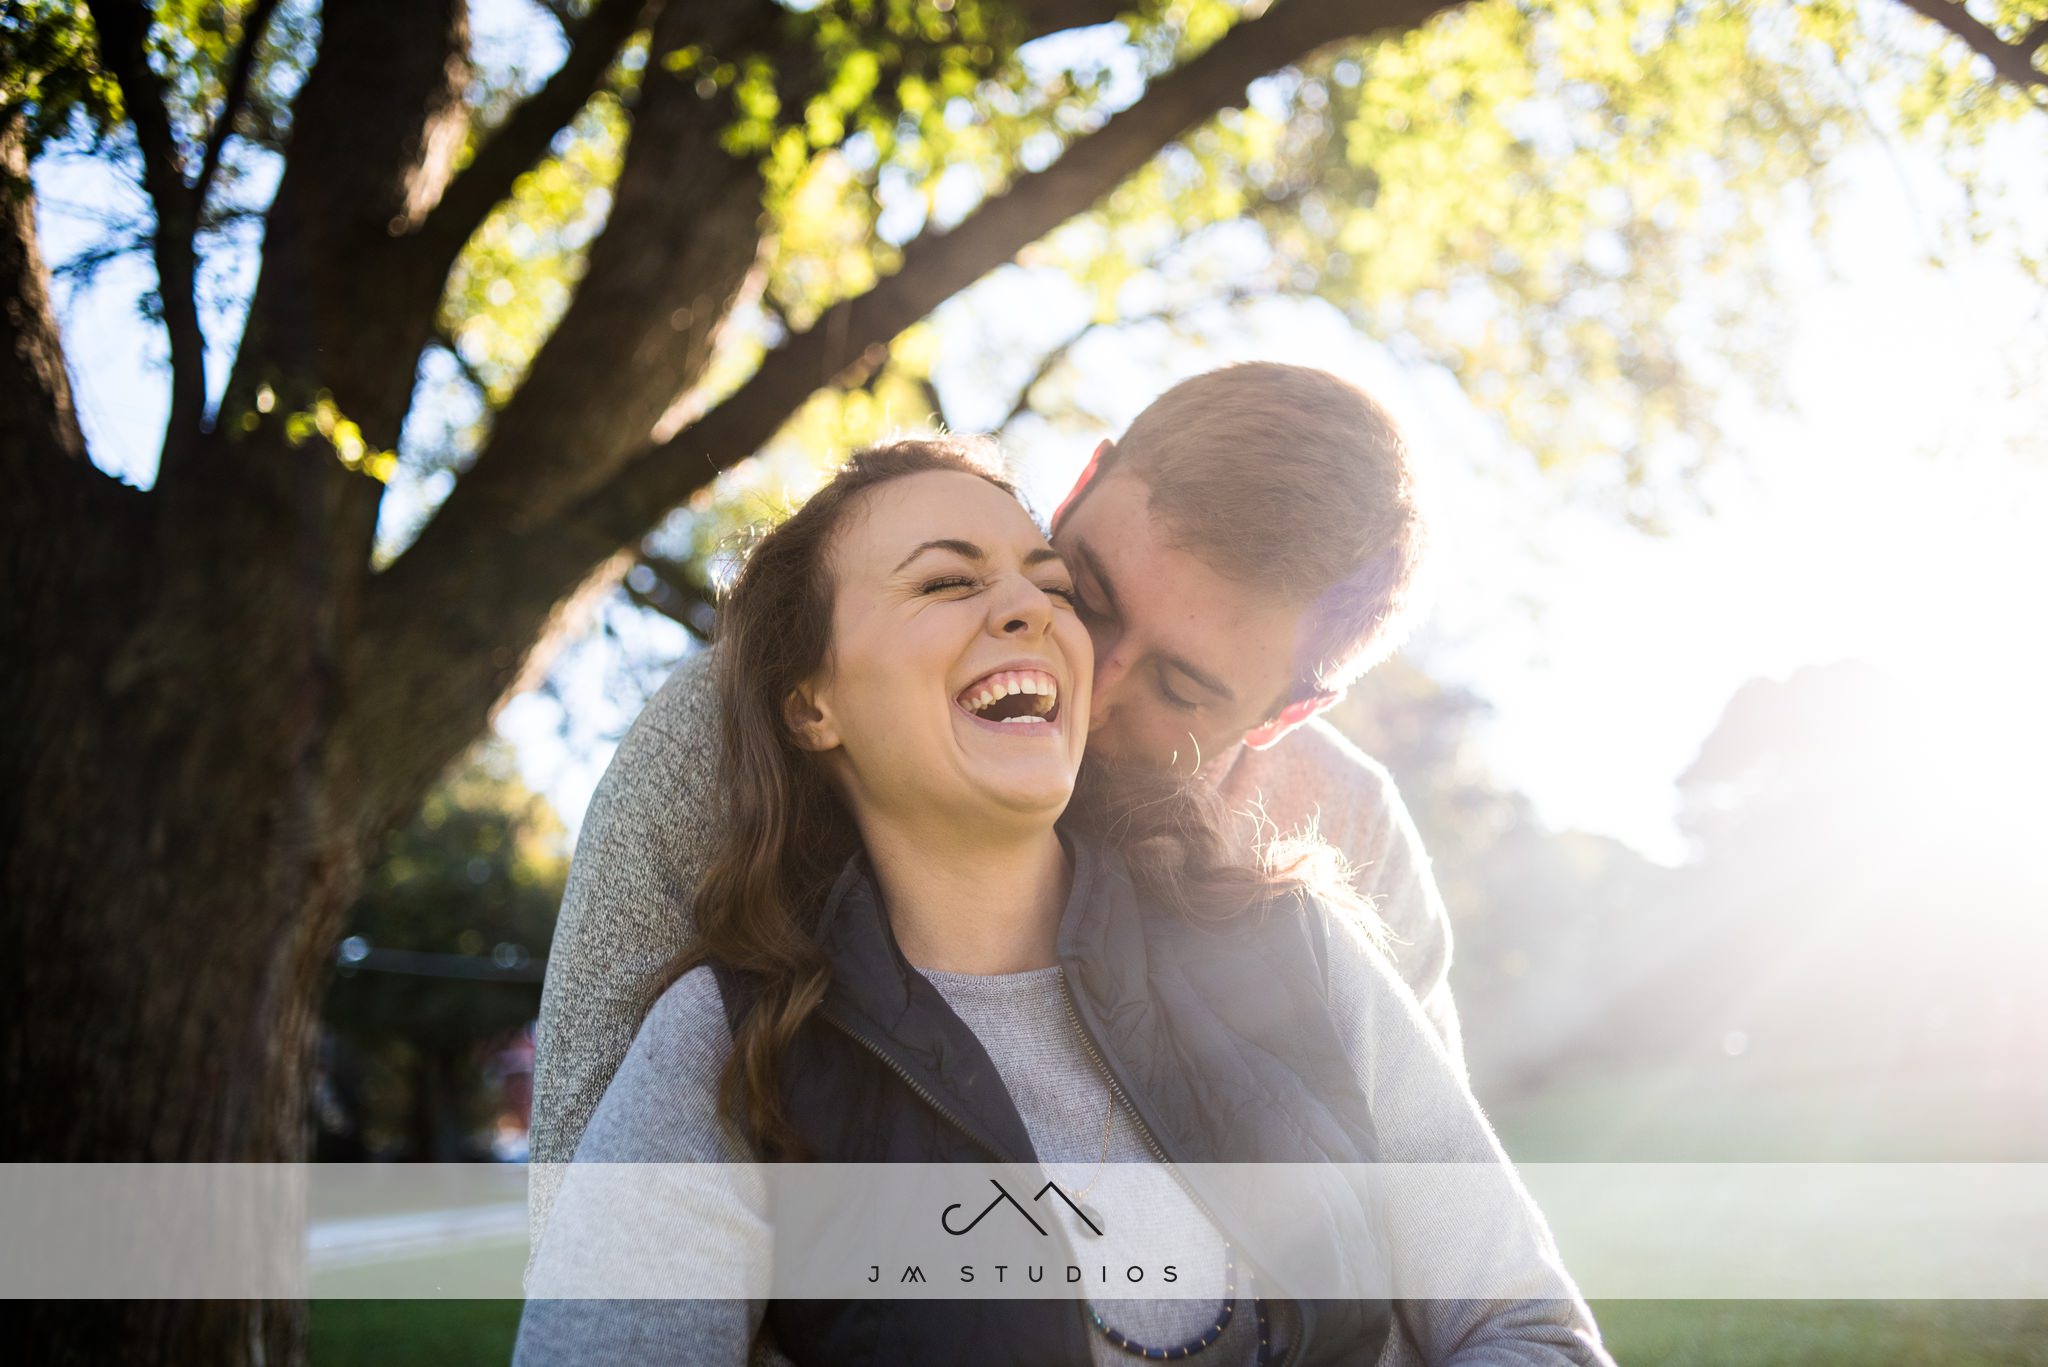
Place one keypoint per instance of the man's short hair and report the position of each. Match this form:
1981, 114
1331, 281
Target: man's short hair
1289, 477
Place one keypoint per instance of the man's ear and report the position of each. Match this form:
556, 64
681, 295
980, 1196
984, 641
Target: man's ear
1268, 734
808, 722
1108, 447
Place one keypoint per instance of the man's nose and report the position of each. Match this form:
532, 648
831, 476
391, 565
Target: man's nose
1112, 669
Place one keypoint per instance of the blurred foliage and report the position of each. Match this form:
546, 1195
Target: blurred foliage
52, 72
1563, 202
519, 272
1541, 918
478, 873
49, 70
193, 47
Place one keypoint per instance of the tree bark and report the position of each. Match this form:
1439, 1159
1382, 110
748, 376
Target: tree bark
41, 446
177, 856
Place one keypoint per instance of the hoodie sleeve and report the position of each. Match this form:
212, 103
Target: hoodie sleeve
661, 1197
1456, 1216
646, 841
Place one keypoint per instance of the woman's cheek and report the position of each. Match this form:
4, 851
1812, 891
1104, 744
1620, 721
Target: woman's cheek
1072, 634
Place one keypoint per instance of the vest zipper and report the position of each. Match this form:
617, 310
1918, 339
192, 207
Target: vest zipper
923, 1093
1145, 1132
952, 1118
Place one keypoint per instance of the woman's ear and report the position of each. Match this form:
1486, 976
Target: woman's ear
808, 722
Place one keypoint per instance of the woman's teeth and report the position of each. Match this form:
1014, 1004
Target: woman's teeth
1015, 695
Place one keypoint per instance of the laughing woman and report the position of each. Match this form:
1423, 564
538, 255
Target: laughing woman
934, 934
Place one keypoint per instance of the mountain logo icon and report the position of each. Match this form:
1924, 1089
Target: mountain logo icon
1087, 1214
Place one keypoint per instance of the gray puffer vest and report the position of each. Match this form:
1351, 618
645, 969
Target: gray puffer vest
1219, 1037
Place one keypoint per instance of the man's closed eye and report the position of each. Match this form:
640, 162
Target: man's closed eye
1174, 699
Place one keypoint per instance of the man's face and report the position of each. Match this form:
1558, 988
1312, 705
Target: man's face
1186, 661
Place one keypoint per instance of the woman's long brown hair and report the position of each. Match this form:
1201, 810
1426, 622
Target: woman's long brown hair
787, 836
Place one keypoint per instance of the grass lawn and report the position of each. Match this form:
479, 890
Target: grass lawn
1664, 1333
1711, 1111
412, 1333
1826, 1333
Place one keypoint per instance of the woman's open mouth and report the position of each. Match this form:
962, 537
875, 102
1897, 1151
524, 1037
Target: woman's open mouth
1022, 701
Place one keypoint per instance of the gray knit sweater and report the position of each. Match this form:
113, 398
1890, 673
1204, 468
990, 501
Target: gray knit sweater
654, 823
662, 1107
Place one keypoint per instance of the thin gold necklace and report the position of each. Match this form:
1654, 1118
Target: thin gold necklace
1108, 1127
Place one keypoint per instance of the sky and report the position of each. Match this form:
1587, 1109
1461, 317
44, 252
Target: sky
1893, 515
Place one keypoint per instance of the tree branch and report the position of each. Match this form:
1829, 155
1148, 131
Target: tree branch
673, 596
938, 265
680, 245
934, 267
254, 23
37, 419
123, 31
339, 314
60, 518
1046, 365
2013, 61
679, 251
521, 140
374, 135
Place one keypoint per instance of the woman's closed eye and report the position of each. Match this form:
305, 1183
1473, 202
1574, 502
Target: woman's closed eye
1089, 612
949, 582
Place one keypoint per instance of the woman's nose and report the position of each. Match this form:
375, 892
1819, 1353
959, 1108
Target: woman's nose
1027, 611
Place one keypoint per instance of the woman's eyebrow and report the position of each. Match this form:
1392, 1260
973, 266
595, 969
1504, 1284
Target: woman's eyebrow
965, 549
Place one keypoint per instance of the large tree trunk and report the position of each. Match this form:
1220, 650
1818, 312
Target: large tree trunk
178, 847
176, 863
168, 933
175, 880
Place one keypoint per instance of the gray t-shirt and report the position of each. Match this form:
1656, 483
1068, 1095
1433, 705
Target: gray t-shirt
662, 1107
